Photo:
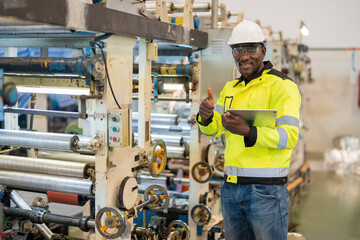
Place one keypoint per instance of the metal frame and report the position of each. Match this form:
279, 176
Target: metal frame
81, 16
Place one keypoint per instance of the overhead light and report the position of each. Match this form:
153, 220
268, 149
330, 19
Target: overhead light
304, 29
48, 90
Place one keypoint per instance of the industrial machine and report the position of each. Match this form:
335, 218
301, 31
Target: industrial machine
94, 169
135, 140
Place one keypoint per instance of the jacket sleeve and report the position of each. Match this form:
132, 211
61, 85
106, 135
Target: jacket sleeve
286, 99
213, 127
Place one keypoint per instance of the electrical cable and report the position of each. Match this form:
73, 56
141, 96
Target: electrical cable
107, 75
102, 37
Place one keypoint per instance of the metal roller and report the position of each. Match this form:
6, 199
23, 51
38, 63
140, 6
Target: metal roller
43, 183
40, 112
171, 140
47, 166
159, 118
167, 128
42, 140
177, 152
88, 144
66, 156
33, 65
197, 7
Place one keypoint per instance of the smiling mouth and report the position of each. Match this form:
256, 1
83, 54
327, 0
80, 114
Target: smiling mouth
245, 64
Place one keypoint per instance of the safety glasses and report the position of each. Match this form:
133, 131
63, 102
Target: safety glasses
248, 49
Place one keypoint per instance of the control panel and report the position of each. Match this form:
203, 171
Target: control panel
118, 128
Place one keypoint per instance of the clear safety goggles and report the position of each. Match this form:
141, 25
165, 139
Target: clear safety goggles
248, 49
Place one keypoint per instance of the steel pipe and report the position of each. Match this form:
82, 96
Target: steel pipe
75, 66
43, 183
49, 113
47, 166
20, 203
159, 118
66, 156
214, 13
42, 140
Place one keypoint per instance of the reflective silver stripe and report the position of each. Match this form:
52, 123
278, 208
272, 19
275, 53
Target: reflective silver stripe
219, 108
256, 172
283, 137
288, 120
214, 134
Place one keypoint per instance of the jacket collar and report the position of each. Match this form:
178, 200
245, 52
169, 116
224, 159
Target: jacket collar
267, 66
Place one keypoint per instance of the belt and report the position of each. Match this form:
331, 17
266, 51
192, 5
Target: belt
257, 180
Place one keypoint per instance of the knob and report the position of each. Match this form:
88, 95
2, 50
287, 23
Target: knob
115, 129
115, 118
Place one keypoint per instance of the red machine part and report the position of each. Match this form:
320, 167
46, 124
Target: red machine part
65, 198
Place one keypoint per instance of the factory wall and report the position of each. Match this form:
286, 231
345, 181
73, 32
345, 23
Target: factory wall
331, 101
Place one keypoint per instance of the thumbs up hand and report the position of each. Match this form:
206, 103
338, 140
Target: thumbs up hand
207, 106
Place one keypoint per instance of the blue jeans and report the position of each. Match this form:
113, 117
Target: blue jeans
254, 211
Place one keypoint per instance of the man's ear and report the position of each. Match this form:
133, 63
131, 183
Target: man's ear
263, 51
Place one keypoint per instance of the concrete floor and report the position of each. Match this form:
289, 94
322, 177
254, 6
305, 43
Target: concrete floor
329, 208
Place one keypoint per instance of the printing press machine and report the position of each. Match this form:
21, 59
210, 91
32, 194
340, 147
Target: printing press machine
135, 139
100, 168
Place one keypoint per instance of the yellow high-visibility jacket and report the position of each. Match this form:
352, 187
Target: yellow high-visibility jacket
266, 153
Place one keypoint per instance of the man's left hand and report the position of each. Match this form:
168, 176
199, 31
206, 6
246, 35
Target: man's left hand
235, 124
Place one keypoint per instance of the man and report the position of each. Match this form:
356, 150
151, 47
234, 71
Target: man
254, 194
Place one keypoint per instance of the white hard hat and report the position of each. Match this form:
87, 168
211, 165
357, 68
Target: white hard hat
247, 32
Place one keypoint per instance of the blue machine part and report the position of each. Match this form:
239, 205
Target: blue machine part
1, 91
156, 89
196, 22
